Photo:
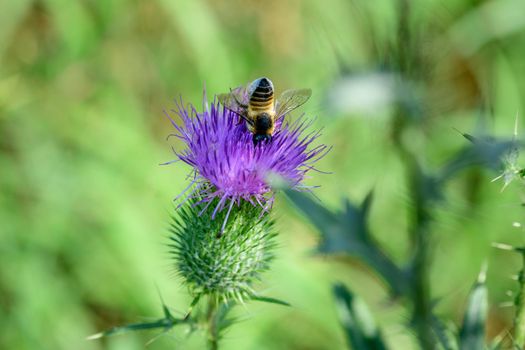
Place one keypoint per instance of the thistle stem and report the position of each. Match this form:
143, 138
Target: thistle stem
519, 320
422, 313
213, 339
422, 317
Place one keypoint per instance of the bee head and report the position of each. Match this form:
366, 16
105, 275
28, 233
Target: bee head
261, 137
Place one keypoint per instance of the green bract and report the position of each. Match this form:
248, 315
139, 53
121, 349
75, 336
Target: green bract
222, 267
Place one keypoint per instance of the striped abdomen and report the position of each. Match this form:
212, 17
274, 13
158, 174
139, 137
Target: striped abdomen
261, 98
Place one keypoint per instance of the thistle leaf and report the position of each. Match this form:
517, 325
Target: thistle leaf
482, 151
446, 336
269, 300
347, 233
222, 320
357, 321
164, 323
472, 334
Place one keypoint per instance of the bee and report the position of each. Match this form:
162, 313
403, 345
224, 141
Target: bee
256, 105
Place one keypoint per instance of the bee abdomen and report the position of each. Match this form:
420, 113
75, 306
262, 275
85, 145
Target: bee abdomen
261, 95
261, 99
261, 106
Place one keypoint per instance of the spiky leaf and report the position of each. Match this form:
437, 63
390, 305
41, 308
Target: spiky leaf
347, 233
357, 321
472, 334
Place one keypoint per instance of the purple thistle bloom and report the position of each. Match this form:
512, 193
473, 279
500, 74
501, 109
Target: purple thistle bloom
228, 166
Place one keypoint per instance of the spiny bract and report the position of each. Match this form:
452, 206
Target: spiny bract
223, 267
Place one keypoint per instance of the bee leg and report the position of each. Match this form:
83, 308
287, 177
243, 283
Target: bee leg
241, 116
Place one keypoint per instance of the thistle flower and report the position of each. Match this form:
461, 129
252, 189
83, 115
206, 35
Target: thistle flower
221, 253
228, 166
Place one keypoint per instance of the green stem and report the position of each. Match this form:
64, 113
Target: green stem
422, 318
213, 339
422, 312
519, 320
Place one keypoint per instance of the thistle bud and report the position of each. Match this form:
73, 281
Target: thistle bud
217, 262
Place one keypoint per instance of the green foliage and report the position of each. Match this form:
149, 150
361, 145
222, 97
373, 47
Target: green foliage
83, 202
518, 332
482, 151
347, 233
166, 323
519, 319
472, 333
361, 331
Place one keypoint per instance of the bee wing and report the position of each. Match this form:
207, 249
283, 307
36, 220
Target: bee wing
290, 100
236, 101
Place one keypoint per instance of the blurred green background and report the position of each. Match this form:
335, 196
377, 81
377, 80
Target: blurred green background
85, 206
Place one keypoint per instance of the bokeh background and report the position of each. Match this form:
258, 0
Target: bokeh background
85, 205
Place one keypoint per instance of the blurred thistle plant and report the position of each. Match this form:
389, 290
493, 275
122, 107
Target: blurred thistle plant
222, 235
347, 232
399, 80
511, 170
